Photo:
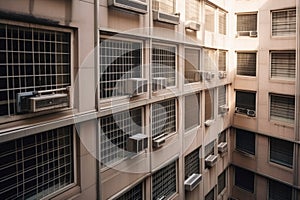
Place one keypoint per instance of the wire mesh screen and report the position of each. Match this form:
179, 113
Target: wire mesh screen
34, 166
284, 22
192, 163
135, 193
31, 59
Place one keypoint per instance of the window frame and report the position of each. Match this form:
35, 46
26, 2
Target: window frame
200, 60
198, 96
279, 184
281, 119
226, 97
244, 150
241, 187
256, 64
280, 163
271, 24
255, 105
246, 13
120, 195
225, 181
212, 9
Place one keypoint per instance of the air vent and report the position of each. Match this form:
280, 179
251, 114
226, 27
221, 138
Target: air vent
130, 5
192, 25
137, 143
159, 83
165, 17
211, 160
192, 182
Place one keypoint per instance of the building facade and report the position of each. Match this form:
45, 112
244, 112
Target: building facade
149, 99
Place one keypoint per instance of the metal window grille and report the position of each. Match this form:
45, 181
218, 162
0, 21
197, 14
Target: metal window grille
281, 152
119, 60
221, 181
247, 22
31, 59
246, 64
166, 6
283, 64
210, 195
209, 104
245, 141
135, 193
164, 182
222, 136
210, 58
35, 166
192, 163
245, 101
164, 117
282, 108
284, 22
192, 65
279, 191
222, 60
209, 18
209, 149
221, 97
222, 22
192, 111
193, 8
164, 63
244, 179
115, 130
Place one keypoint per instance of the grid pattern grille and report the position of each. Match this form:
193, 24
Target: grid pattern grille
163, 117
166, 6
37, 165
192, 65
222, 60
135, 193
281, 152
193, 7
279, 191
221, 182
192, 163
210, 195
284, 22
210, 59
246, 22
209, 18
221, 97
115, 130
119, 60
282, 108
246, 64
164, 63
244, 179
283, 64
31, 59
222, 23
245, 141
164, 182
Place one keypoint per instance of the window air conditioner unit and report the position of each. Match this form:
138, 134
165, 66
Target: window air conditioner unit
222, 74
165, 17
240, 110
192, 182
43, 100
253, 34
137, 6
158, 141
134, 86
243, 33
224, 109
208, 122
222, 147
251, 113
159, 83
211, 160
137, 143
209, 75
192, 25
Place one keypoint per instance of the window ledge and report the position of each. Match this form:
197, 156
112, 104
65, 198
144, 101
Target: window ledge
283, 167
283, 81
245, 154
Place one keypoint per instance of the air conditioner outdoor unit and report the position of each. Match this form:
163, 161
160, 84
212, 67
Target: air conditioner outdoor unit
158, 141
159, 83
166, 17
251, 113
137, 6
222, 147
192, 25
192, 182
208, 122
133, 86
137, 143
211, 160
222, 74
43, 100
224, 109
253, 34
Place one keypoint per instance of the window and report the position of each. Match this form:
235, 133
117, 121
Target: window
279, 191
281, 152
222, 60
164, 63
282, 108
283, 64
210, 59
31, 59
221, 97
209, 18
245, 103
209, 104
245, 141
244, 179
192, 65
115, 130
164, 182
192, 164
194, 13
163, 117
222, 137
210, 195
246, 64
246, 23
35, 166
119, 60
221, 181
135, 193
209, 149
284, 22
166, 6
192, 111
222, 23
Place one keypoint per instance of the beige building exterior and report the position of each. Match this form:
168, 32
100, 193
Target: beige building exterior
149, 99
